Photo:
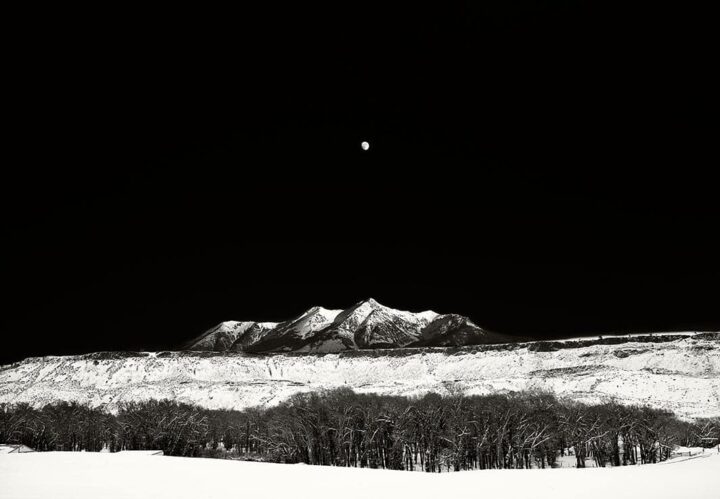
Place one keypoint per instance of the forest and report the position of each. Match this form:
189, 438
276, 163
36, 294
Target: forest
431, 433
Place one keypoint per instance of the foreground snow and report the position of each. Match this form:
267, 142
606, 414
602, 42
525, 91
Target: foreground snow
91, 475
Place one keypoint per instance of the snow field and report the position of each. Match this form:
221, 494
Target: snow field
81, 475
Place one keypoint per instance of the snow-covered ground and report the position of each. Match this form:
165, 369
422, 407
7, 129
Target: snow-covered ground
78, 475
630, 335
681, 375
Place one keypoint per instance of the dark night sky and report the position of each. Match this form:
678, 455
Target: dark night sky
542, 167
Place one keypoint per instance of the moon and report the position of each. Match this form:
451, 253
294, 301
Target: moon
365, 145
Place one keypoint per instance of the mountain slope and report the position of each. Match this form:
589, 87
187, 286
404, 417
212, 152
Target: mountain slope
296, 333
455, 330
225, 335
252, 335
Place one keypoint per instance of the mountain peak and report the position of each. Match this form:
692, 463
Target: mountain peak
312, 310
317, 309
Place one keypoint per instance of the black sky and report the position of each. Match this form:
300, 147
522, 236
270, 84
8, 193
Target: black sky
546, 168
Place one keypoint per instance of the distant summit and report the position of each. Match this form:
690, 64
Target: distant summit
365, 325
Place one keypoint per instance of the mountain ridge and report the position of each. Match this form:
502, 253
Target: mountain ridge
365, 325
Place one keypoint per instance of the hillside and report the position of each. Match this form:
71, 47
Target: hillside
680, 372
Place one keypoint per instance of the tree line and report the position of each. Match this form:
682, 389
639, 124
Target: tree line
431, 433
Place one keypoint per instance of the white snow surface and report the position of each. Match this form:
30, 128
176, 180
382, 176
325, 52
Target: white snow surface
681, 375
85, 475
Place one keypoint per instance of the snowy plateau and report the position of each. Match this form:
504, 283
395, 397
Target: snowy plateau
679, 371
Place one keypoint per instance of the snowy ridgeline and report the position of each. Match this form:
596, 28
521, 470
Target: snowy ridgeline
365, 325
80, 475
682, 375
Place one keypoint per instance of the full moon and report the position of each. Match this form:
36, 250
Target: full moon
365, 145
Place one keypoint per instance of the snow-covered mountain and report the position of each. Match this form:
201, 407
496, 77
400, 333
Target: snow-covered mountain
680, 372
366, 325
